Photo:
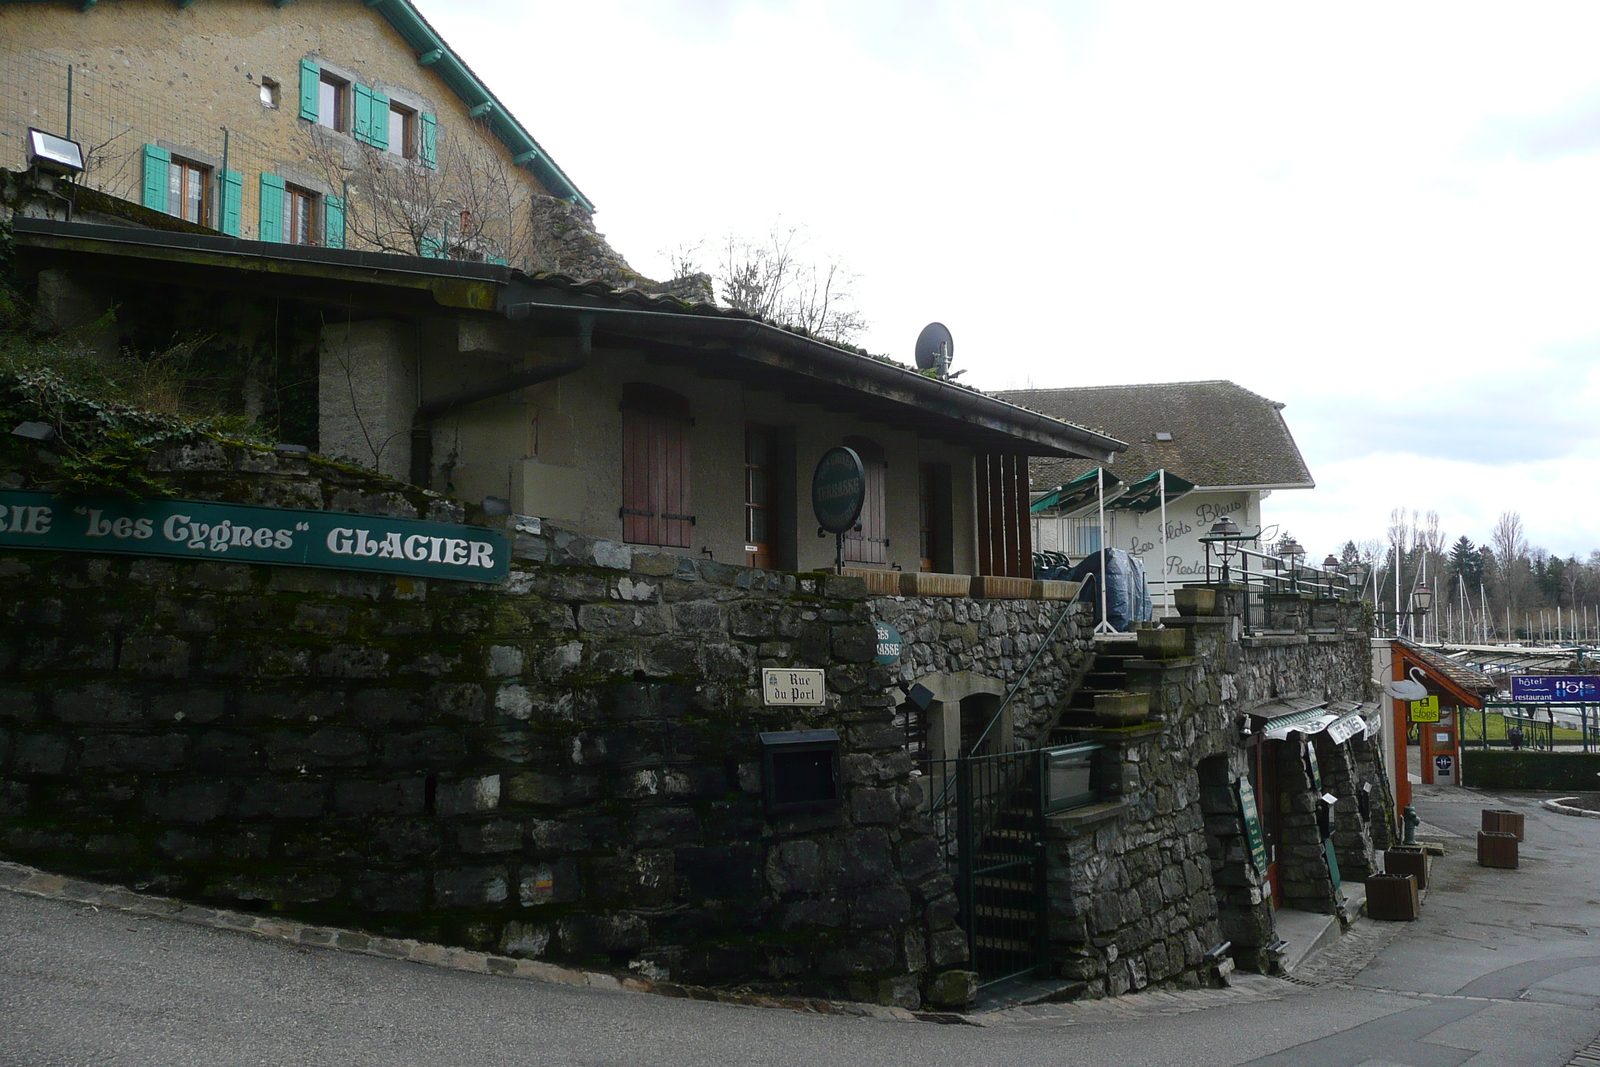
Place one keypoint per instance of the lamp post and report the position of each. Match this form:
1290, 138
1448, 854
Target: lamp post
1290, 552
1330, 567
1421, 604
1225, 535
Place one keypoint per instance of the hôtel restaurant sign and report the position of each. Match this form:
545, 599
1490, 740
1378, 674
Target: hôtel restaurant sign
192, 529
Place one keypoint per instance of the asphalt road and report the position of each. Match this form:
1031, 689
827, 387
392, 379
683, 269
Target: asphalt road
1503, 969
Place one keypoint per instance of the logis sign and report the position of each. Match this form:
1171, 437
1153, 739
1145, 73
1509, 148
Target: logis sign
193, 529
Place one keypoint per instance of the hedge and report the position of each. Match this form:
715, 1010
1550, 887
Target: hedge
1555, 771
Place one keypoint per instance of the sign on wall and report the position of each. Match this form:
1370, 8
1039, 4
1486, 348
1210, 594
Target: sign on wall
838, 490
194, 529
1555, 688
1425, 710
792, 687
1252, 826
890, 643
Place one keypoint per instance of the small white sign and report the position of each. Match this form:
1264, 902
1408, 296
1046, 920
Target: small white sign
789, 686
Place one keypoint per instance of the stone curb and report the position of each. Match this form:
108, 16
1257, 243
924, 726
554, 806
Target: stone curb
1567, 809
30, 881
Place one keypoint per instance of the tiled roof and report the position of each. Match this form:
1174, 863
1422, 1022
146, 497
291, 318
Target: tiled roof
1221, 434
1464, 677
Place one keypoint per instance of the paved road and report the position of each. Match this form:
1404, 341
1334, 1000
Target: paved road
1503, 969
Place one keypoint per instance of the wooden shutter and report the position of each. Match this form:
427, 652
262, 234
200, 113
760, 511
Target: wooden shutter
310, 86
870, 544
232, 202
271, 208
1005, 531
157, 165
427, 139
362, 127
378, 131
655, 467
333, 221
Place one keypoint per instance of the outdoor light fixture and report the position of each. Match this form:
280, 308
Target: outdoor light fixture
1224, 538
1422, 599
1331, 563
55, 155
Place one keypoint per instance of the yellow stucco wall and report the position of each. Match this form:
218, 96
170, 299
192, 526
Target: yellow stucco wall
148, 71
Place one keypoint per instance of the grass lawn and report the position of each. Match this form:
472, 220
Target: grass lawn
1472, 723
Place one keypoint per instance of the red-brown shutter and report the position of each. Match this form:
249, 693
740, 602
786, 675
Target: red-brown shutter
655, 466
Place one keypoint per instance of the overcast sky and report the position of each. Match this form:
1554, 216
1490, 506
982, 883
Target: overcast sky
1383, 215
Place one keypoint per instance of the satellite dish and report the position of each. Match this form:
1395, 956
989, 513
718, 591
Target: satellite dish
935, 349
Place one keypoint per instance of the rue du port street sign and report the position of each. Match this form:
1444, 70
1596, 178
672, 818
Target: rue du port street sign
793, 687
193, 529
1555, 688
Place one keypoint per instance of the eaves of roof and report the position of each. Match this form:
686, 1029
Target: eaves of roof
723, 340
434, 53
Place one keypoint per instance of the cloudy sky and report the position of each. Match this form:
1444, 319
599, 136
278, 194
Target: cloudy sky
1383, 215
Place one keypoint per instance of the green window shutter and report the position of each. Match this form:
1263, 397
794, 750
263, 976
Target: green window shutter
363, 123
271, 208
380, 120
333, 222
157, 162
310, 86
432, 247
232, 202
427, 142
496, 260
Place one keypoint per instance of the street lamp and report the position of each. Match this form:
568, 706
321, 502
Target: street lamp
1290, 552
1225, 535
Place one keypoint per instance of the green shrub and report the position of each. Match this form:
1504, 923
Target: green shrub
1554, 771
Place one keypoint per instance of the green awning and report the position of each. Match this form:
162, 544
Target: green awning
1079, 494
1144, 495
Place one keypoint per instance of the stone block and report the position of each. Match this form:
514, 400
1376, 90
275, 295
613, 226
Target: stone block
466, 702
667, 826
810, 911
40, 754
98, 704
549, 883
226, 752
186, 848
880, 907
354, 661
327, 748
954, 989
389, 891
133, 754
722, 872
290, 705
857, 643
874, 806
187, 801
470, 887
859, 858
434, 749
499, 835
555, 790
277, 798
794, 867
400, 796
467, 796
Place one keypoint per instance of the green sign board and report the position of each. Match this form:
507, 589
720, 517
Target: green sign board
193, 529
890, 643
838, 489
1252, 826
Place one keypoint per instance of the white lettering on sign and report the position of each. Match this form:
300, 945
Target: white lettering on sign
345, 541
181, 529
787, 686
25, 518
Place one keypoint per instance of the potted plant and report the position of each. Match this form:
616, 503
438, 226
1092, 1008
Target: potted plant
1195, 600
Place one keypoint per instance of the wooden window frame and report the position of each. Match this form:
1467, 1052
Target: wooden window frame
333, 118
184, 176
293, 196
405, 145
655, 467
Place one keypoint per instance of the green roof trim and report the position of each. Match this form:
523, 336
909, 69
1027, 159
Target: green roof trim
434, 53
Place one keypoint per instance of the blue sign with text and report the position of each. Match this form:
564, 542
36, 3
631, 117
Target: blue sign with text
1555, 688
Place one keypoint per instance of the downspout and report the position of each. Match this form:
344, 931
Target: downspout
422, 420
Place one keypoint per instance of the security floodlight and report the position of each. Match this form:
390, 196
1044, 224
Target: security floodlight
55, 155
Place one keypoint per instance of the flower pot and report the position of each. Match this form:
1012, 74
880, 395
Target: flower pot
1392, 898
1195, 601
1407, 859
1503, 820
1497, 849
1161, 644
1121, 709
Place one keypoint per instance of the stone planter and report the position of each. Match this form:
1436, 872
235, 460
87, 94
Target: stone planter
1161, 644
1407, 859
1192, 600
1497, 849
1121, 708
1392, 898
1504, 821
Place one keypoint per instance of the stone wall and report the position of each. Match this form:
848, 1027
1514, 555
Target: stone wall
565, 766
1146, 884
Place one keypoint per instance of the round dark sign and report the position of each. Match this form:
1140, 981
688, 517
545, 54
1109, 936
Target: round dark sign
838, 489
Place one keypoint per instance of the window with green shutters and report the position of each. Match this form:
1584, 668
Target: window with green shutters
333, 221
271, 208
310, 87
232, 202
157, 162
427, 140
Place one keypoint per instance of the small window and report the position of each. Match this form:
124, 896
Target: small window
188, 191
402, 131
869, 541
757, 496
269, 92
299, 216
331, 93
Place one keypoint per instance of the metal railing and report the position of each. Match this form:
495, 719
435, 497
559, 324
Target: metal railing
1262, 574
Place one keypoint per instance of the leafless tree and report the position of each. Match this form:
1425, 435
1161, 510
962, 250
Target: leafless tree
470, 205
775, 279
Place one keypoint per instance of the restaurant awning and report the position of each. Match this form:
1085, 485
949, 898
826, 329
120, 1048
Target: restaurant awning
1080, 495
